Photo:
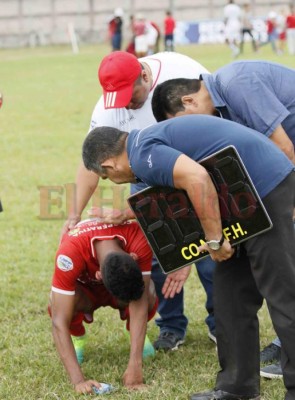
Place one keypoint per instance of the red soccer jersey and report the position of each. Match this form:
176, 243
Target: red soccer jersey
76, 257
290, 21
169, 25
139, 28
156, 27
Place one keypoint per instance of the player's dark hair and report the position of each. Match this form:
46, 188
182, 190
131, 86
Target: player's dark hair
100, 144
122, 277
167, 96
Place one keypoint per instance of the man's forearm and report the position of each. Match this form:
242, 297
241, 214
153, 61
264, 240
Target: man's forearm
282, 140
205, 202
195, 180
86, 183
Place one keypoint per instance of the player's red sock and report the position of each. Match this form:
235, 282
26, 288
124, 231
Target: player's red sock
76, 327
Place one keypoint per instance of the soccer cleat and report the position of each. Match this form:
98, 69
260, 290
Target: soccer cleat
273, 371
270, 353
79, 345
168, 341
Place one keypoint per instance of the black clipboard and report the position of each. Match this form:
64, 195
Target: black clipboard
172, 227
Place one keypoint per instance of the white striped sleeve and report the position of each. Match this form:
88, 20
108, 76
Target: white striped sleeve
61, 291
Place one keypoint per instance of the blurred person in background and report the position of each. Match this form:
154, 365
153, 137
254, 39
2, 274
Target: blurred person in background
131, 44
272, 32
152, 35
147, 36
140, 36
156, 46
247, 28
232, 29
281, 29
115, 29
169, 26
290, 25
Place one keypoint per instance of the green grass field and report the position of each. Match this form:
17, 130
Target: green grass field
49, 95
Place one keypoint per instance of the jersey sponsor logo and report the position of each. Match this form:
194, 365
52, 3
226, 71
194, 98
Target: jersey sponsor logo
64, 263
74, 232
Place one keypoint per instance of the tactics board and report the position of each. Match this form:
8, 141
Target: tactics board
172, 227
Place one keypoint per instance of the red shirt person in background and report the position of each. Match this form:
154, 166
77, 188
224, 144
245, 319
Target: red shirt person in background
169, 26
272, 33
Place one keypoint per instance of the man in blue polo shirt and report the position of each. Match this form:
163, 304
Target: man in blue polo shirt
257, 94
165, 154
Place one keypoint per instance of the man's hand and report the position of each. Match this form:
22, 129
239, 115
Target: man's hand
225, 252
175, 281
70, 224
282, 140
133, 378
85, 387
110, 216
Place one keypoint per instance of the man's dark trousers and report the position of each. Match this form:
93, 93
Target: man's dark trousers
264, 268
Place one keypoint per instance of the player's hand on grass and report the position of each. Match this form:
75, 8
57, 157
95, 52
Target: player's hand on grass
133, 378
86, 387
175, 281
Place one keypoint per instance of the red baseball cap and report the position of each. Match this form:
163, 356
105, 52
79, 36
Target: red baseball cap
117, 73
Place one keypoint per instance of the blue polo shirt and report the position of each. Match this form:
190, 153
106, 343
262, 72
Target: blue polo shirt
258, 94
154, 150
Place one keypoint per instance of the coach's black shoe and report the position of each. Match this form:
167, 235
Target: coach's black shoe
221, 395
168, 341
270, 354
272, 371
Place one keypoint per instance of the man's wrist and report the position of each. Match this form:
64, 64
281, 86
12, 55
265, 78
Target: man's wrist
215, 244
78, 381
135, 362
74, 217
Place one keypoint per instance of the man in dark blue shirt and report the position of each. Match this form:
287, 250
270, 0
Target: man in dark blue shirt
257, 94
166, 154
